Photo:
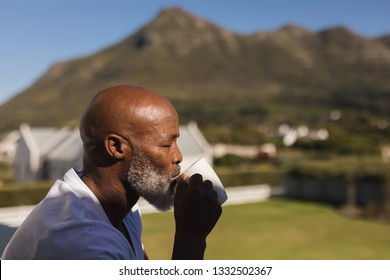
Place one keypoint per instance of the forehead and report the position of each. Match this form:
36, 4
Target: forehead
166, 128
159, 123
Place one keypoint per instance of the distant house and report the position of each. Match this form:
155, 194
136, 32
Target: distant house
47, 153
263, 151
291, 134
8, 147
386, 153
193, 145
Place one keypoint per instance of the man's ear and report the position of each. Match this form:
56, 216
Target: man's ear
116, 146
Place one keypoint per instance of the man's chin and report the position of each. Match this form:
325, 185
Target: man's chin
164, 204
163, 208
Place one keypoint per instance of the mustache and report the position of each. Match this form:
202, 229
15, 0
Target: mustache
175, 172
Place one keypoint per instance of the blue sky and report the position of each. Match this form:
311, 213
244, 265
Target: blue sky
36, 34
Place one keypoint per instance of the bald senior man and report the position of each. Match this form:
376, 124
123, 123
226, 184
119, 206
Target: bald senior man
129, 137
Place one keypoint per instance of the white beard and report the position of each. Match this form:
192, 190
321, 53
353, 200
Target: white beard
148, 182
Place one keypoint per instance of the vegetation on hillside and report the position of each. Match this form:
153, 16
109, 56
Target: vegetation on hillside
220, 78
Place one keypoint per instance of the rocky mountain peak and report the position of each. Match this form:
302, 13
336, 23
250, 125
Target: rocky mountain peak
177, 31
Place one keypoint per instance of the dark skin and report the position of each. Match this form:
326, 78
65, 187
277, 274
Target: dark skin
122, 118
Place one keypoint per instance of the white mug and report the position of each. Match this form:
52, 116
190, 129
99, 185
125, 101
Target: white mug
203, 168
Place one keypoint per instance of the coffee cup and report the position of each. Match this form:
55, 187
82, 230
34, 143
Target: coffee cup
203, 168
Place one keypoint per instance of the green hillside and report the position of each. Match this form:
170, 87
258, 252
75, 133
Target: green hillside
218, 77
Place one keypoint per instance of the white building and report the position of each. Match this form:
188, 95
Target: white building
47, 153
193, 145
8, 147
44, 153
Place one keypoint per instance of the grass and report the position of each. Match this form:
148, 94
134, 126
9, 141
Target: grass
278, 229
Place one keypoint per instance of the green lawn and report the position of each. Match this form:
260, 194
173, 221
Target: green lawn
278, 229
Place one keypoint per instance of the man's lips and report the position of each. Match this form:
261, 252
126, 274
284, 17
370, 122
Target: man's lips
174, 177
176, 172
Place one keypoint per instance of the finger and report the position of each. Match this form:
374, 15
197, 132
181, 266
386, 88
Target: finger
214, 196
210, 190
196, 179
181, 188
208, 185
194, 183
182, 177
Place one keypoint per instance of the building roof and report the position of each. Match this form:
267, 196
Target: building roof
52, 142
65, 144
187, 142
68, 149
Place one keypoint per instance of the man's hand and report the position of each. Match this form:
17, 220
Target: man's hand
196, 211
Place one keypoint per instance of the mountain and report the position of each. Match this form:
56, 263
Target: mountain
211, 73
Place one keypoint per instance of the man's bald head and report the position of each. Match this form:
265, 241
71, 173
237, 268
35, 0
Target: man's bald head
129, 135
124, 110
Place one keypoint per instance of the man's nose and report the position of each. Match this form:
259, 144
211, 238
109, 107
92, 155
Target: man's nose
177, 156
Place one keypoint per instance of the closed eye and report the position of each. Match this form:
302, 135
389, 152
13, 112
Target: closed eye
166, 145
